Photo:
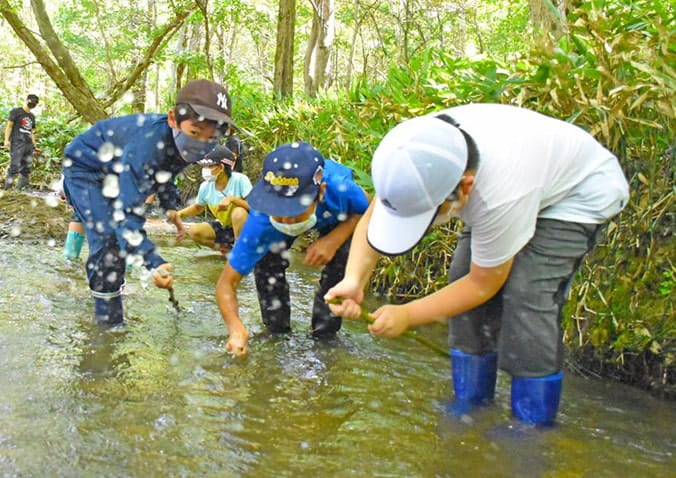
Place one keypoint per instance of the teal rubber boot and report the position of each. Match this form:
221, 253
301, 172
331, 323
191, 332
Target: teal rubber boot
73, 245
535, 400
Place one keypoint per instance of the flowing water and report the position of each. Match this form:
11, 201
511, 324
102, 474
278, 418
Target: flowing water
160, 397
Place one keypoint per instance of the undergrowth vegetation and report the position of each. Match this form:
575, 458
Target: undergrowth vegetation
612, 74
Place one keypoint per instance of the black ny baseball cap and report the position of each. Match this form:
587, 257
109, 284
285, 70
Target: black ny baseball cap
220, 155
209, 100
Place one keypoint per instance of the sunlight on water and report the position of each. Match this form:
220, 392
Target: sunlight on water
160, 397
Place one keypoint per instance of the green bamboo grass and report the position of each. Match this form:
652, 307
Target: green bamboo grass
366, 317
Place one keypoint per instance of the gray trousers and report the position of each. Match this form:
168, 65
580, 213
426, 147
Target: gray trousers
522, 322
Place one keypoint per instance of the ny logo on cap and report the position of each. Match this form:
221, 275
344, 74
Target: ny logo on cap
222, 100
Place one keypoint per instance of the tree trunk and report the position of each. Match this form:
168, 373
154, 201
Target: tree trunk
319, 46
138, 104
80, 96
286, 20
112, 76
64, 72
194, 44
549, 16
203, 5
158, 42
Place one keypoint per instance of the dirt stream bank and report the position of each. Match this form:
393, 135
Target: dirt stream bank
40, 216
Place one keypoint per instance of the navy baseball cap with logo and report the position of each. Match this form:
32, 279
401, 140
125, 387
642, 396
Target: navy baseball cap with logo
209, 100
291, 177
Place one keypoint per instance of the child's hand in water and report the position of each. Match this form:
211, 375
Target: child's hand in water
162, 277
237, 342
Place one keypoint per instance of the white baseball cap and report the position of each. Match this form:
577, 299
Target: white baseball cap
416, 166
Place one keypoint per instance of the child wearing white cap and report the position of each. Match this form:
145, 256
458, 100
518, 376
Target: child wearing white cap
532, 192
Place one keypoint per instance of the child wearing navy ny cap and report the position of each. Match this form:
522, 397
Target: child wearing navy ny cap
299, 190
111, 168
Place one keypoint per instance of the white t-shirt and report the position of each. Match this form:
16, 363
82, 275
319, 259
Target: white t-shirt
210, 197
533, 166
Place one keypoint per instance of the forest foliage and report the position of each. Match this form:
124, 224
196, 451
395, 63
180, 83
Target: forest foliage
612, 73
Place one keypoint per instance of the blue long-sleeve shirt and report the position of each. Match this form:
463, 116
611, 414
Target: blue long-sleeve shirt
342, 198
140, 151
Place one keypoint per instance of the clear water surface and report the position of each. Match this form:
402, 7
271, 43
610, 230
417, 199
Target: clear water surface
160, 397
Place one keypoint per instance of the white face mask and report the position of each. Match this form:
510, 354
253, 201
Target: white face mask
207, 176
297, 228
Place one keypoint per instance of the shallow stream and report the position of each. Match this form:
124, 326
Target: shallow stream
160, 397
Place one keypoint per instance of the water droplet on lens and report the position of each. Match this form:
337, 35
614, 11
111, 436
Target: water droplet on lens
111, 186
163, 177
106, 152
52, 201
134, 238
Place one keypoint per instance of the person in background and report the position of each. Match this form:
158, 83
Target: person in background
110, 170
299, 190
235, 144
533, 193
222, 192
20, 141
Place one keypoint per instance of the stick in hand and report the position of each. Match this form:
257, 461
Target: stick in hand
363, 316
173, 300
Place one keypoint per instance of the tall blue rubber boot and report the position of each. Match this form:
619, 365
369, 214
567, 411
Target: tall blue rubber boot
535, 400
109, 311
73, 245
473, 380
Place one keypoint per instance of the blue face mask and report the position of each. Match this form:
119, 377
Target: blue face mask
297, 228
191, 149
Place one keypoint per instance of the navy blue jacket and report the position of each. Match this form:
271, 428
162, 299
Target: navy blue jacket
140, 150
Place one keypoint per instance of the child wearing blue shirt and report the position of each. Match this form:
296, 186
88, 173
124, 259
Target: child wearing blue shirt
110, 169
299, 190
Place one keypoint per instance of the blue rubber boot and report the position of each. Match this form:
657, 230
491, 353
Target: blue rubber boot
109, 311
473, 380
535, 400
73, 245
